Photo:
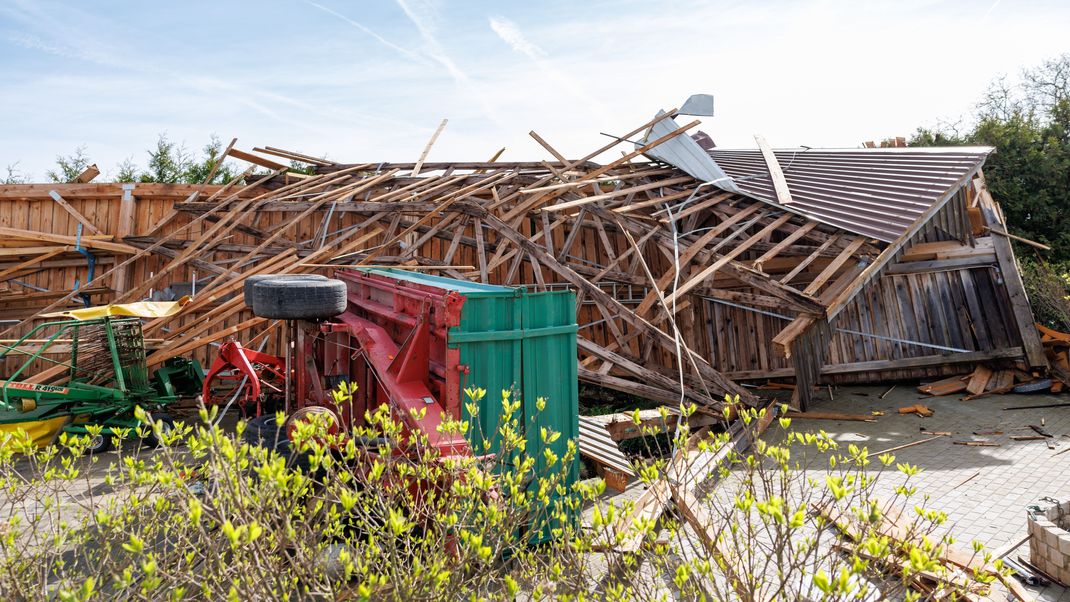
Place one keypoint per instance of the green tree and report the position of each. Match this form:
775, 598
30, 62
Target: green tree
1028, 122
168, 162
127, 171
198, 171
14, 176
69, 167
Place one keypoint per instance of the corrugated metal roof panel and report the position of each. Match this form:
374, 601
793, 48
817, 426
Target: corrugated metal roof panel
876, 192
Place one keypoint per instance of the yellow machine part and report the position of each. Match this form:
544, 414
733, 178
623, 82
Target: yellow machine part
43, 432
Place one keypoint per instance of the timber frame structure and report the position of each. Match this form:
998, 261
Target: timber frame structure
683, 288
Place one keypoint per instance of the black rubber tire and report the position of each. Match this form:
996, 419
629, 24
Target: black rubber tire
263, 431
250, 282
1036, 386
286, 299
168, 426
99, 444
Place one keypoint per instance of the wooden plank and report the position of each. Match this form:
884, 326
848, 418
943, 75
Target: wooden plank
1012, 282
86, 241
101, 191
776, 174
480, 251
874, 366
622, 426
831, 416
833, 266
1020, 239
947, 386
74, 212
619, 193
943, 265
87, 174
780, 246
726, 257
427, 149
33, 261
805, 263
257, 160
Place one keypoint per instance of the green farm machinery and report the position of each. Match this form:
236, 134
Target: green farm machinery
103, 378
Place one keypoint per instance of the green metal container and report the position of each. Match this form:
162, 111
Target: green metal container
521, 342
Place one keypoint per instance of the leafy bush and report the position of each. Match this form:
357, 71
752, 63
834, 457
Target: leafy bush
1048, 288
207, 516
1027, 120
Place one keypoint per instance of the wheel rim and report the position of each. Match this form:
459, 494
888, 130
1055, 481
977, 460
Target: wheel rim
96, 442
165, 429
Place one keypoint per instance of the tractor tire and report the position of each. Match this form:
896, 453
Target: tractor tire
250, 282
1036, 386
287, 299
264, 431
167, 424
98, 444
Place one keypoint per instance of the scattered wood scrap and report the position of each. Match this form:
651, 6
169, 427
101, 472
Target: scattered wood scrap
919, 409
623, 426
688, 468
1039, 406
905, 445
1057, 349
1002, 381
947, 386
979, 380
956, 577
831, 416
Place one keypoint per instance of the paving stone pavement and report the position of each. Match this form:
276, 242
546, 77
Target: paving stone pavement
984, 490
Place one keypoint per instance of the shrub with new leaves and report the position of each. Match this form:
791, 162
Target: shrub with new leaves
376, 514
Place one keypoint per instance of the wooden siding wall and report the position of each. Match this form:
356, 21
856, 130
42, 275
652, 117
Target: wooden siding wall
40, 213
966, 309
960, 308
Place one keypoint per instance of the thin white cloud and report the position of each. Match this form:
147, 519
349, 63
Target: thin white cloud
990, 9
422, 17
58, 38
422, 20
511, 35
399, 49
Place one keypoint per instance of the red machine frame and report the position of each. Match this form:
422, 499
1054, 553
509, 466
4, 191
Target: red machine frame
391, 341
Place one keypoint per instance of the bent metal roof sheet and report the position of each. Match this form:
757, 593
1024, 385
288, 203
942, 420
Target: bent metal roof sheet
876, 192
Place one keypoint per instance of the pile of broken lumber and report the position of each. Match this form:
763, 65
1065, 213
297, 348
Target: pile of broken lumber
568, 223
958, 574
986, 380
645, 246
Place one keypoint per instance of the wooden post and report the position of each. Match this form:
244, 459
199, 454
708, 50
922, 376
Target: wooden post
126, 227
1012, 281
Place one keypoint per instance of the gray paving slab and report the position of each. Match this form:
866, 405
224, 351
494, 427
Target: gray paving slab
984, 490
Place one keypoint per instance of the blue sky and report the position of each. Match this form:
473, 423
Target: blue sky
370, 81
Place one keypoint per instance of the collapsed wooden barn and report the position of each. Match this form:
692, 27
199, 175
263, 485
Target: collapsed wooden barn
884, 264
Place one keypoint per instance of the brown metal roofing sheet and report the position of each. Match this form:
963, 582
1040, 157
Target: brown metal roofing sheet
874, 192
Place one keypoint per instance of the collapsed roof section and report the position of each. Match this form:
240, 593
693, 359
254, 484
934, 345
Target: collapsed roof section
877, 192
650, 249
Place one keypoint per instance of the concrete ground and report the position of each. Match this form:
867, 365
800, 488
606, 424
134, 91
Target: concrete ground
984, 490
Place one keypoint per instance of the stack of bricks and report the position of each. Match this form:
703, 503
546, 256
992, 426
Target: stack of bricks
1049, 543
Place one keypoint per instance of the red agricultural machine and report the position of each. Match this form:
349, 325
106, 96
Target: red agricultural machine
411, 342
